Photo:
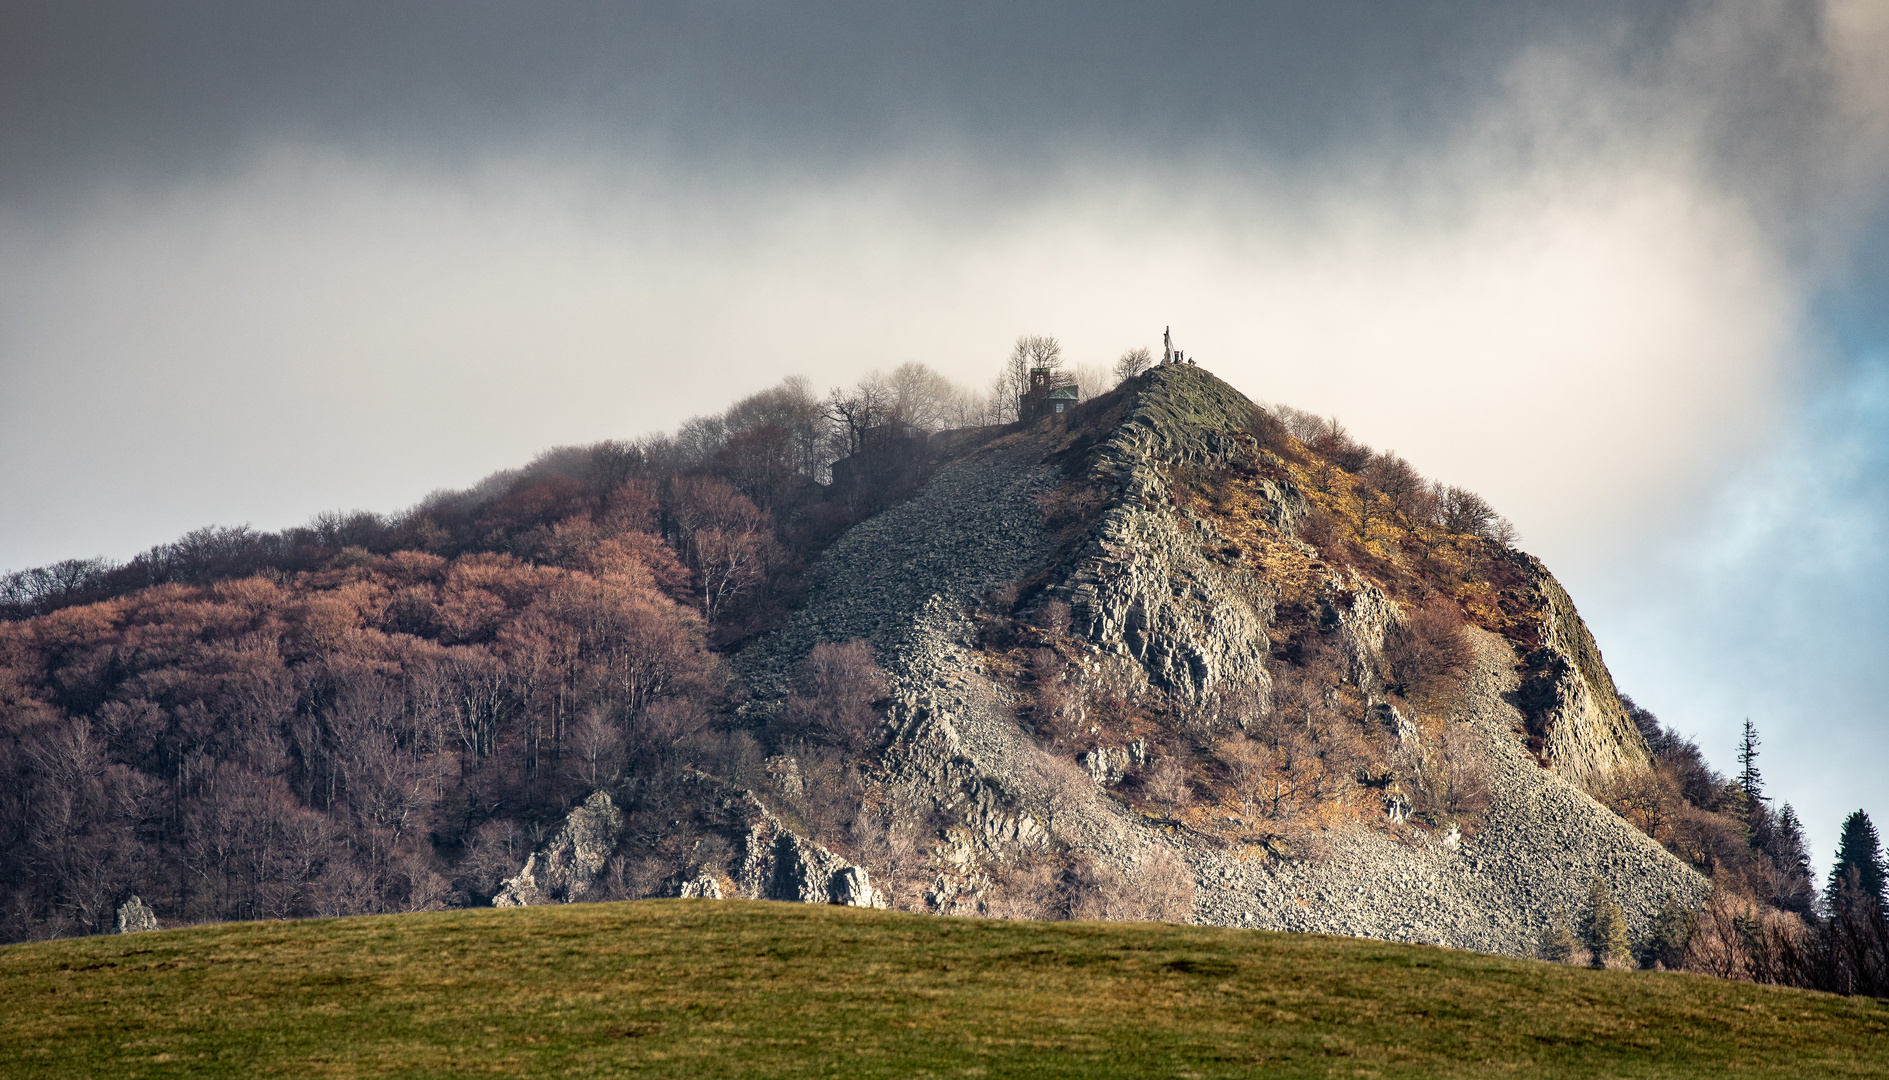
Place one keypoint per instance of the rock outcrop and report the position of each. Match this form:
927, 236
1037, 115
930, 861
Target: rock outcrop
1143, 587
1571, 709
134, 916
1538, 850
1146, 587
773, 861
700, 887
1144, 590
566, 867
777, 864
1157, 587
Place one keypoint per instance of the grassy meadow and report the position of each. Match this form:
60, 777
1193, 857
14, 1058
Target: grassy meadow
721, 988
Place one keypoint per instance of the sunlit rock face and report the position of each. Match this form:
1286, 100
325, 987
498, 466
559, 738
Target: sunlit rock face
134, 916
1164, 595
566, 868
1160, 542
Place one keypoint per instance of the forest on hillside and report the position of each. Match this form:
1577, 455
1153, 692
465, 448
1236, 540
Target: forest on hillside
387, 712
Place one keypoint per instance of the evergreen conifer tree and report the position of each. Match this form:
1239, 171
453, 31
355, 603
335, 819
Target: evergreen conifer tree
1760, 825
1791, 854
1750, 780
1672, 930
1604, 930
1859, 849
1557, 939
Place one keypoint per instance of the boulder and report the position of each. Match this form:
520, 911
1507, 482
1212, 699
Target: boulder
1106, 764
848, 887
134, 915
1396, 808
700, 887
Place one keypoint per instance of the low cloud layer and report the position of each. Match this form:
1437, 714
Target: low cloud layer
322, 331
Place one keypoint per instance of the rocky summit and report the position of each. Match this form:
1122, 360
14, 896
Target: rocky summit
1171, 549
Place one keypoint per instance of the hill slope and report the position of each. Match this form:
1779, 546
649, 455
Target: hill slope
1178, 533
1168, 656
694, 988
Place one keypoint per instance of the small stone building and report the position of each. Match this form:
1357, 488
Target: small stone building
1046, 396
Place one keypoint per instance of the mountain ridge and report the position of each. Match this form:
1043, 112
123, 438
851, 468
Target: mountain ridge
1146, 595
1167, 655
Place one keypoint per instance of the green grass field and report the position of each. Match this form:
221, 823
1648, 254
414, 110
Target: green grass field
721, 988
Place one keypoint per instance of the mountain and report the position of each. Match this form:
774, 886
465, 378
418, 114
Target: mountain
1162, 655
1160, 649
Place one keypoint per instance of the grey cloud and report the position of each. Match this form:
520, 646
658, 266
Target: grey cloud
1004, 98
88, 87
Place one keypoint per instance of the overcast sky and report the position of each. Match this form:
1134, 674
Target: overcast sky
1621, 267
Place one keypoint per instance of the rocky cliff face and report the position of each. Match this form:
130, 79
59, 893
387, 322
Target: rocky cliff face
1541, 843
1154, 585
1195, 608
566, 867
1146, 591
1572, 711
773, 863
777, 864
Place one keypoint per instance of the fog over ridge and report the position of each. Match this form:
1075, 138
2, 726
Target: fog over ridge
1596, 309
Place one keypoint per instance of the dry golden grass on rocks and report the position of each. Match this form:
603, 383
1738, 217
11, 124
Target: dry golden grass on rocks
722, 988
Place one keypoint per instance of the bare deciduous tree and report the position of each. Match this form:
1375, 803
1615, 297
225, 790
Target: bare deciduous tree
1400, 483
1157, 888
596, 750
915, 394
1167, 785
851, 414
968, 407
834, 691
725, 539
1091, 381
791, 407
1428, 653
1249, 767
1060, 786
1453, 776
1030, 352
1133, 362
1163, 887
1464, 511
